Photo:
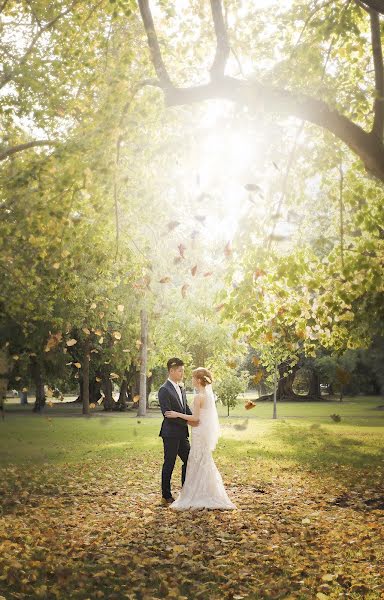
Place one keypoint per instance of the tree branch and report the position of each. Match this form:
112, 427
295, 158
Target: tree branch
222, 47
261, 97
153, 44
377, 5
20, 147
377, 52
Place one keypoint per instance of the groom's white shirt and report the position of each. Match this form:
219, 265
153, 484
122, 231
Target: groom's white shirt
178, 390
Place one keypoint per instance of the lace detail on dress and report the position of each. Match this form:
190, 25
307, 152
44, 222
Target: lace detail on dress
203, 486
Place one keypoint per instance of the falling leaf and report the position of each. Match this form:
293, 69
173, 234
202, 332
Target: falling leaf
208, 273
193, 270
77, 365
165, 280
98, 379
177, 260
71, 342
249, 404
92, 405
200, 218
53, 341
181, 248
117, 335
120, 308
172, 225
275, 165
219, 307
258, 377
15, 357
228, 249
136, 398
184, 289
253, 187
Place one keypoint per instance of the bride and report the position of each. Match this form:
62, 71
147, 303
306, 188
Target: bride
203, 486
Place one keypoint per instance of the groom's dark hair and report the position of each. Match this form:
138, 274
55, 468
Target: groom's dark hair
174, 362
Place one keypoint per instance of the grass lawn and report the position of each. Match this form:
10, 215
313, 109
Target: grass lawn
80, 514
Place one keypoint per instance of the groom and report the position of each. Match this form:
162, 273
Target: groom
174, 432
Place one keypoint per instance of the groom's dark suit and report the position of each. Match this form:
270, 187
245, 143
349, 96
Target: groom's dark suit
174, 433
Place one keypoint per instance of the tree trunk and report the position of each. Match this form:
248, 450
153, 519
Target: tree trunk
4, 371
275, 395
314, 386
109, 403
143, 364
85, 386
123, 395
37, 376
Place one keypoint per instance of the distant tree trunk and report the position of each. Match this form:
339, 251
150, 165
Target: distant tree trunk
149, 388
85, 386
143, 364
275, 394
94, 391
37, 377
123, 395
314, 386
109, 403
4, 371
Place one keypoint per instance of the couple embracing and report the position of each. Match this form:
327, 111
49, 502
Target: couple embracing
202, 484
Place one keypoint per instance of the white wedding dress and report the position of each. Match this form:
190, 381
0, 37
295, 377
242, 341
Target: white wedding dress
203, 486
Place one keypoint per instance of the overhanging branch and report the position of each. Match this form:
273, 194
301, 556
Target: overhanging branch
377, 5
261, 97
222, 47
153, 44
20, 147
377, 53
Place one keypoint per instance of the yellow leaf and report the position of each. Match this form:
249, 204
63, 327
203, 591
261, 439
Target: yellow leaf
86, 330
98, 379
114, 375
71, 342
56, 265
120, 308
77, 364
93, 305
101, 340
117, 335
328, 577
321, 596
15, 357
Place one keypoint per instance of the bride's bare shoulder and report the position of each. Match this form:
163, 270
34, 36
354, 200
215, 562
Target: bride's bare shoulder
199, 398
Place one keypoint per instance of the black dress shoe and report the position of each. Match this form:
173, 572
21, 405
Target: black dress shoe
167, 501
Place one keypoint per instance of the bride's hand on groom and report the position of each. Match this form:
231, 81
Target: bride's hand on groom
171, 414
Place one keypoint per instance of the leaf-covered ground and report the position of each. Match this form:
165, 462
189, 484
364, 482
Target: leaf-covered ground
81, 516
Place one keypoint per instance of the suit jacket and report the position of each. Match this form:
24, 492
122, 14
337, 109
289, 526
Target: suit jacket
169, 400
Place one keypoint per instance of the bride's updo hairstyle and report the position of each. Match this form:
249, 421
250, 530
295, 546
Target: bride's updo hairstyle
203, 376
